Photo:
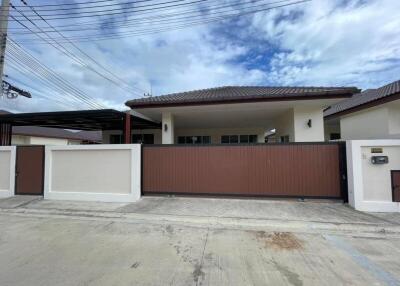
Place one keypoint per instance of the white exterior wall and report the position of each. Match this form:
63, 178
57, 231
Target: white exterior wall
47, 141
304, 133
370, 186
19, 140
382, 122
168, 128
216, 133
7, 171
294, 124
36, 140
108, 173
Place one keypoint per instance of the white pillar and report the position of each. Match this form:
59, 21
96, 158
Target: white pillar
167, 128
308, 124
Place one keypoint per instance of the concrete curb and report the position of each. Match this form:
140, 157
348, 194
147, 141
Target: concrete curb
370, 229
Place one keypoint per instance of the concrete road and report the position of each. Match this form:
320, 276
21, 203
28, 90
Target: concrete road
62, 248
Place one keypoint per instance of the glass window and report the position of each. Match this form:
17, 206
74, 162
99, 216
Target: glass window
194, 139
225, 139
285, 139
253, 138
335, 136
137, 138
115, 139
233, 139
206, 139
143, 138
148, 138
244, 138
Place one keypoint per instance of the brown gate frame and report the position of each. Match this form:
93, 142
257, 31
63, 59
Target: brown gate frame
16, 168
392, 182
342, 164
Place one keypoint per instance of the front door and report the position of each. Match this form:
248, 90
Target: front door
29, 170
396, 185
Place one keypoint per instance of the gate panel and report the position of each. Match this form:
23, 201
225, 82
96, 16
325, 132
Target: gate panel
294, 170
396, 186
29, 170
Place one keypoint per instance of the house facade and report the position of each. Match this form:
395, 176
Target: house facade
371, 114
234, 115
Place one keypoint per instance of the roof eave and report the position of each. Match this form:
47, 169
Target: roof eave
327, 95
366, 105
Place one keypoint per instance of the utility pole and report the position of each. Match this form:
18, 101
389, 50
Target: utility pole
5, 8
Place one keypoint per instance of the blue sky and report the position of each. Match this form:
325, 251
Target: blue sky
321, 42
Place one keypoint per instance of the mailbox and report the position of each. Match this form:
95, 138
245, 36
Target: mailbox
378, 160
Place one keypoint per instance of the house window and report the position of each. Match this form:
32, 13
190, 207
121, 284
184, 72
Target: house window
194, 139
143, 138
116, 139
234, 139
334, 136
285, 139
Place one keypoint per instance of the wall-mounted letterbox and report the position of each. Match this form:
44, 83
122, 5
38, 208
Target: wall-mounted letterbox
377, 160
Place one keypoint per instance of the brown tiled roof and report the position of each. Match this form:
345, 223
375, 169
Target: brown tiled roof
364, 99
241, 94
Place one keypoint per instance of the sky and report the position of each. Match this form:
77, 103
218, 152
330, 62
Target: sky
316, 43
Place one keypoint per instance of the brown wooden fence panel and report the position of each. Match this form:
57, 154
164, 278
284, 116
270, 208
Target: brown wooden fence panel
295, 170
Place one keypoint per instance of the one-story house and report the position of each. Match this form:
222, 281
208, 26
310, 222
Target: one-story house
371, 114
235, 114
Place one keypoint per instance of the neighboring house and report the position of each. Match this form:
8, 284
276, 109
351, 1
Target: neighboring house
33, 135
371, 114
234, 114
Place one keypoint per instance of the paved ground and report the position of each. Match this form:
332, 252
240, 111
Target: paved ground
70, 243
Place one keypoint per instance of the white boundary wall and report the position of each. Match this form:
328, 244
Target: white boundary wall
370, 186
105, 173
7, 171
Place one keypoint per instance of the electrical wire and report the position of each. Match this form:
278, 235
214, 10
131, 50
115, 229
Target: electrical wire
36, 66
129, 88
117, 35
54, 43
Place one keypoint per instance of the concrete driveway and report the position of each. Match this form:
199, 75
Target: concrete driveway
71, 243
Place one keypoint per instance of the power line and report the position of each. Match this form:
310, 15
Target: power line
55, 44
124, 11
116, 35
31, 62
88, 56
167, 18
85, 2
102, 6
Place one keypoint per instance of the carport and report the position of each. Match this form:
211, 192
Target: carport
90, 120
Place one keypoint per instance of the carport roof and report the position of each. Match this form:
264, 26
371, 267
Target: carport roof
103, 119
237, 94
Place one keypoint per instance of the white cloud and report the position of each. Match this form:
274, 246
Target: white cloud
334, 42
321, 42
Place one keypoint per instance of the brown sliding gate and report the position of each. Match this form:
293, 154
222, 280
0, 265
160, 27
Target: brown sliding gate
282, 170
